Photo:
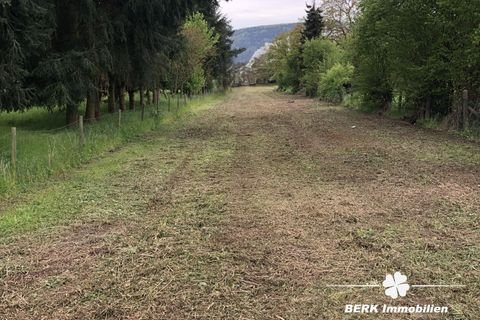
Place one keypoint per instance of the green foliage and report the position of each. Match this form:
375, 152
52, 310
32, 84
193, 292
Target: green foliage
218, 66
197, 81
284, 59
43, 151
25, 29
201, 38
412, 58
200, 41
352, 100
371, 78
60, 53
260, 68
421, 50
300, 59
315, 65
333, 83
319, 55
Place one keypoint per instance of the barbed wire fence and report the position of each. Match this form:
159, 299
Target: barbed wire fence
31, 155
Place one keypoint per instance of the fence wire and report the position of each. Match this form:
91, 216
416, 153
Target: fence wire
43, 152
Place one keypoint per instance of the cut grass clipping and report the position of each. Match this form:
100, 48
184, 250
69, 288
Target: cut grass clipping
43, 150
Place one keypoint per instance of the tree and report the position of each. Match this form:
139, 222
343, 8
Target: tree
339, 17
370, 57
200, 41
219, 65
25, 30
334, 83
187, 71
421, 51
284, 58
261, 70
318, 56
67, 72
313, 23
61, 53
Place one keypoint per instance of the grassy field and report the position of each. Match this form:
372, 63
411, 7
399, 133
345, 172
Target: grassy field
45, 147
249, 209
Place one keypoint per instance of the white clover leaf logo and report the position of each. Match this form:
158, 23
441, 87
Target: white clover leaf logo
396, 285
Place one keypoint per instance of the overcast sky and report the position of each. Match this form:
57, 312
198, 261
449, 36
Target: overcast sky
249, 13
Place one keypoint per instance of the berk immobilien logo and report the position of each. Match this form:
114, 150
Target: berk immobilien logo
396, 286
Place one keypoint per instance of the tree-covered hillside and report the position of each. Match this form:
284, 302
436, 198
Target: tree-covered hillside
254, 38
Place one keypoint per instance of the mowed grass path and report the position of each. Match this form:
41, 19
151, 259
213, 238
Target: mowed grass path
249, 210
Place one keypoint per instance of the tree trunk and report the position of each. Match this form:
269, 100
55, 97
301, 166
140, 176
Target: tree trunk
72, 113
142, 102
155, 96
157, 101
400, 103
111, 97
131, 99
387, 101
121, 97
428, 107
149, 98
465, 113
142, 97
97, 105
91, 103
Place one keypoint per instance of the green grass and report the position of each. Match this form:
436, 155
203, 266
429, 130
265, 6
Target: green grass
472, 133
79, 195
93, 191
43, 150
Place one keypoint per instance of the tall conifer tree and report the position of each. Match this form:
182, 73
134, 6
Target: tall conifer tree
313, 23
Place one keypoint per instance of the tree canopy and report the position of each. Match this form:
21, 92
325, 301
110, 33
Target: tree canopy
415, 58
422, 51
60, 53
313, 23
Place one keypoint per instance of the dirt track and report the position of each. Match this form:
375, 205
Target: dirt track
249, 211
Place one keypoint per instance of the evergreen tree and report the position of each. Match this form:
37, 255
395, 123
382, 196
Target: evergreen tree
220, 65
25, 28
68, 71
61, 53
313, 23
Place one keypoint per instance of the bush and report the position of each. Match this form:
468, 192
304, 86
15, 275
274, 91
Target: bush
333, 83
352, 100
319, 55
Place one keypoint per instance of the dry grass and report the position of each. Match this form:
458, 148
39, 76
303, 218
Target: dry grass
249, 211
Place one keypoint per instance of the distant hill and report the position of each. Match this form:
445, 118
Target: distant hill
255, 38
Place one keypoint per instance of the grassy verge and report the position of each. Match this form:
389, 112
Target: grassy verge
58, 202
44, 151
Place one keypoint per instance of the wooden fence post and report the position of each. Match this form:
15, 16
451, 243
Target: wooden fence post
465, 109
169, 96
81, 132
119, 118
14, 149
